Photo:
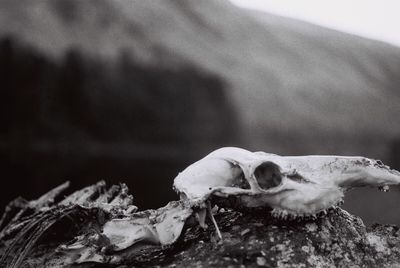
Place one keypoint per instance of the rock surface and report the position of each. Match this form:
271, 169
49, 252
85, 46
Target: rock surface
337, 240
250, 239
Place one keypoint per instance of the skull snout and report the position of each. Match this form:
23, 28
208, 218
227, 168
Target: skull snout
268, 175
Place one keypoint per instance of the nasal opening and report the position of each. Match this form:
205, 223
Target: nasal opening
268, 175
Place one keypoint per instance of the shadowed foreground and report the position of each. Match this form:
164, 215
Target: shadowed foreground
32, 234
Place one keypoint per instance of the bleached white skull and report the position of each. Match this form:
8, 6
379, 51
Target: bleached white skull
290, 185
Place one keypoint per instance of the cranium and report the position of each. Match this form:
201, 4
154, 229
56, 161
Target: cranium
289, 185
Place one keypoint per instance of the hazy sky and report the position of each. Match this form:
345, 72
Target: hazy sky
377, 19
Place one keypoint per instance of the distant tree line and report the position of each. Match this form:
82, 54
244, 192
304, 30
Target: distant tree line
82, 97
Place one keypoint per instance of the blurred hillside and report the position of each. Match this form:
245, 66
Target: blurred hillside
135, 90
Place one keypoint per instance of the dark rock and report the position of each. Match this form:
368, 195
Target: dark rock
337, 240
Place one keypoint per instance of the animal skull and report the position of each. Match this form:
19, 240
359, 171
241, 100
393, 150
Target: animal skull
290, 185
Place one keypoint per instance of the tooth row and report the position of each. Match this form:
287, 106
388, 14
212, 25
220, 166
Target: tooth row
286, 215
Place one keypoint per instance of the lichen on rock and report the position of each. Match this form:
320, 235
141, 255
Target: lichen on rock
336, 240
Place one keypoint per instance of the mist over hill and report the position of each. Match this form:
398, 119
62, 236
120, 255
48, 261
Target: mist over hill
135, 90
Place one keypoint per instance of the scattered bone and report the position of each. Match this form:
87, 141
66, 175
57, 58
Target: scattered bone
201, 218
85, 196
116, 226
48, 199
213, 220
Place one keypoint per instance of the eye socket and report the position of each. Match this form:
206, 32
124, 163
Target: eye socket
268, 175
